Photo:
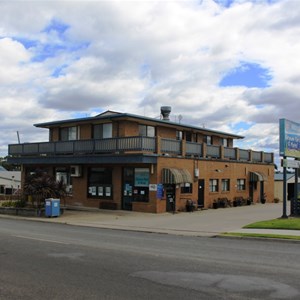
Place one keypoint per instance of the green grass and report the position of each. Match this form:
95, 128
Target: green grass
262, 235
289, 224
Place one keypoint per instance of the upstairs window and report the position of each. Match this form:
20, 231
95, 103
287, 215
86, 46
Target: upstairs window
225, 142
69, 133
188, 136
208, 140
102, 131
145, 130
179, 135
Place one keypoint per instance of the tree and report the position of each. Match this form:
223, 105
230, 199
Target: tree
41, 186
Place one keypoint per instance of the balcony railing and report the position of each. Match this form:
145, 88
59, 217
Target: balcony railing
194, 149
137, 144
171, 146
213, 151
229, 153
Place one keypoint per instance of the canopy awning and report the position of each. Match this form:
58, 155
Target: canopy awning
175, 176
257, 176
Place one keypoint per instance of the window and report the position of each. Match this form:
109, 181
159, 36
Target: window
188, 136
102, 131
225, 185
145, 130
208, 140
141, 177
225, 142
136, 184
241, 185
63, 174
179, 135
213, 185
186, 188
100, 183
69, 133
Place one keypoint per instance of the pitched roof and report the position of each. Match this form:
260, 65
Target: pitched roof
108, 113
111, 115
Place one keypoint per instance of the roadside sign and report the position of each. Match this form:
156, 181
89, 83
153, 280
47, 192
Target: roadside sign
294, 164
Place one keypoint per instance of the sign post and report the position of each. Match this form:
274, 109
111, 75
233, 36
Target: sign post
284, 215
294, 207
289, 147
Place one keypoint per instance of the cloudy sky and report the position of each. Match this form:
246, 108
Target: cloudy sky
230, 65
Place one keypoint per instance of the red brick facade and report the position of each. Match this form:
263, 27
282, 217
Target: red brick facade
228, 177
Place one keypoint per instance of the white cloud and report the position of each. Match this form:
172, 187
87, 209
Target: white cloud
134, 56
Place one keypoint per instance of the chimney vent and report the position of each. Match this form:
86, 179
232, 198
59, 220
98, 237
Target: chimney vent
165, 112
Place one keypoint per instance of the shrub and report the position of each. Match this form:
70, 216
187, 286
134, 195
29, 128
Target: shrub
41, 186
8, 203
13, 203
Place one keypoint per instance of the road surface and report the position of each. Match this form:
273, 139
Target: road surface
56, 261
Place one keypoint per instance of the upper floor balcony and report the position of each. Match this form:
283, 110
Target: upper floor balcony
136, 144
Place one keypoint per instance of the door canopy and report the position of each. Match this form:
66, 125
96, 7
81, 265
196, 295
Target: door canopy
176, 176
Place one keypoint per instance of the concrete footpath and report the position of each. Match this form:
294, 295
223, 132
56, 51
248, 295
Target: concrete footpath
210, 222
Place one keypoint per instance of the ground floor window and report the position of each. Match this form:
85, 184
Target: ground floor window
225, 185
241, 184
63, 174
213, 185
136, 184
186, 188
100, 183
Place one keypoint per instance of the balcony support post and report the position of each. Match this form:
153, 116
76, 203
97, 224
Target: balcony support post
158, 145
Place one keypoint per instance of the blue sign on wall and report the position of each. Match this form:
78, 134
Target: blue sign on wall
289, 138
160, 191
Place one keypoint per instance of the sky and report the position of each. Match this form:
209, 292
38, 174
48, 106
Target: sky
227, 65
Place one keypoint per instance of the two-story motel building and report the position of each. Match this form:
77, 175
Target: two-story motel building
130, 162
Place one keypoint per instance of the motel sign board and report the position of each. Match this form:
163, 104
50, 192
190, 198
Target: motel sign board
289, 138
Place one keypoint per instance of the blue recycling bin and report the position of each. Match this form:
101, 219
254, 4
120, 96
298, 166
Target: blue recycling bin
52, 207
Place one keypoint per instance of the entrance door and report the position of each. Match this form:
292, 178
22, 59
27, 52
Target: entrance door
170, 195
201, 183
128, 182
252, 187
262, 190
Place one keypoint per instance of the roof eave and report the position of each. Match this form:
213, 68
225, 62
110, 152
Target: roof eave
136, 117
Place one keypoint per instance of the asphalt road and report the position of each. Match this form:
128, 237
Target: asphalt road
56, 261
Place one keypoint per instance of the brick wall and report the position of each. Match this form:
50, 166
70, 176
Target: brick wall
86, 132
219, 170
